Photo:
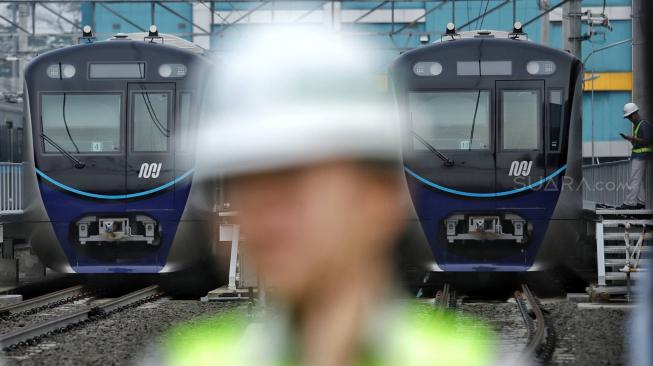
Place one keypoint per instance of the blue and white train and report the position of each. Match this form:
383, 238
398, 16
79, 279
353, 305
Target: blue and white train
110, 153
491, 126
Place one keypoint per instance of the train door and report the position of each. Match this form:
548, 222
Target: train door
520, 138
150, 162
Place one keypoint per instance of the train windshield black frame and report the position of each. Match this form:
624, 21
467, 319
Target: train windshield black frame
556, 111
451, 120
82, 123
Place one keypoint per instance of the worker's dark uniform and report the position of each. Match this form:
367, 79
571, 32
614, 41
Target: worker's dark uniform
636, 194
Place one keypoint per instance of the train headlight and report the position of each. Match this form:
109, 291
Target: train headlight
541, 67
172, 70
431, 68
68, 71
61, 71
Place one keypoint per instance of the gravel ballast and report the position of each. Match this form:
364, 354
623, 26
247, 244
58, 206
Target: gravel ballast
588, 336
125, 338
584, 337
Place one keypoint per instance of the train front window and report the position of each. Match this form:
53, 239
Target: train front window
81, 123
150, 116
451, 120
521, 119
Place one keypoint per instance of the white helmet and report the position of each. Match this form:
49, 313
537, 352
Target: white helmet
630, 108
294, 97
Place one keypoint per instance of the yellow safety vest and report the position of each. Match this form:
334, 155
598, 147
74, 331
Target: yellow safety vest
645, 149
421, 337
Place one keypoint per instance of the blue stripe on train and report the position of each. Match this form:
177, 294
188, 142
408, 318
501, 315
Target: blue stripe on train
65, 208
112, 196
434, 205
485, 195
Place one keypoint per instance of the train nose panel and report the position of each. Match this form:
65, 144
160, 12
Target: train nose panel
104, 230
490, 227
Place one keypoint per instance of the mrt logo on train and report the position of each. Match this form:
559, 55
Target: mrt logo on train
150, 170
522, 168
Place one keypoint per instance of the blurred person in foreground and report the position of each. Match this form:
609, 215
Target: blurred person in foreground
640, 327
309, 148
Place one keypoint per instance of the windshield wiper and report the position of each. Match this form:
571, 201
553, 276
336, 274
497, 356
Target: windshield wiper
471, 133
447, 161
78, 163
65, 122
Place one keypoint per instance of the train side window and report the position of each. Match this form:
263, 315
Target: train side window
185, 125
555, 119
81, 123
150, 121
521, 118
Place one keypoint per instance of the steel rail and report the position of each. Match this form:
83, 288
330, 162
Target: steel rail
129, 298
40, 301
34, 333
538, 337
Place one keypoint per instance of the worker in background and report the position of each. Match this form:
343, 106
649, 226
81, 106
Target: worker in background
641, 139
310, 151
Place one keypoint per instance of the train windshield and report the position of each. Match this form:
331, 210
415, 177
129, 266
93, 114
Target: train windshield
82, 123
451, 120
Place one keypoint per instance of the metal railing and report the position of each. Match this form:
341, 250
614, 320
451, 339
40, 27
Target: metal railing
11, 188
606, 182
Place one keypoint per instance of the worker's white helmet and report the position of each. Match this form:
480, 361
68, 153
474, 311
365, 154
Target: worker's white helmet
630, 108
294, 97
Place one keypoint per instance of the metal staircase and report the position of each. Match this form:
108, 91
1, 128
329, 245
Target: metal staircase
623, 249
243, 281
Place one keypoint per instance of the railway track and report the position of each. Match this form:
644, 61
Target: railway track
40, 303
59, 323
540, 336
